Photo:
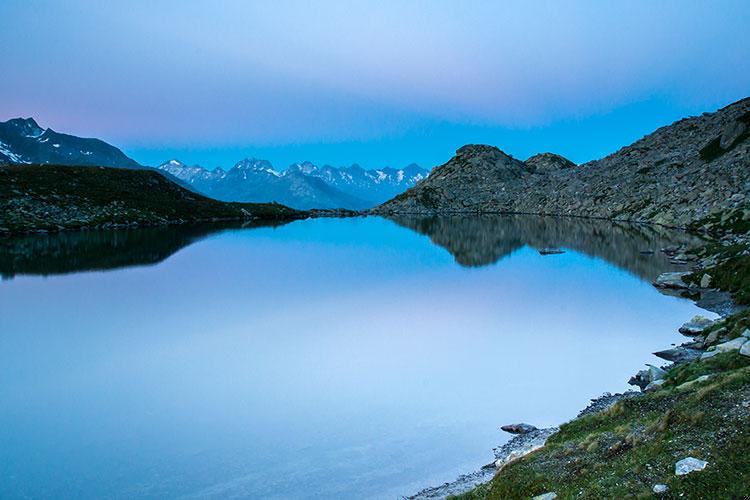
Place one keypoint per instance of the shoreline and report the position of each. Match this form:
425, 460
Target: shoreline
709, 299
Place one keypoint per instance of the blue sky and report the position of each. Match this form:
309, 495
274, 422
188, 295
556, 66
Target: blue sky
379, 83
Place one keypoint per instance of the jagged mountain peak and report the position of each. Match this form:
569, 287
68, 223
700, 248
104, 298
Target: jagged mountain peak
27, 127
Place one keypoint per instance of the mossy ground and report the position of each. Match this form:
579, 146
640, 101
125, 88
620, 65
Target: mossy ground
624, 451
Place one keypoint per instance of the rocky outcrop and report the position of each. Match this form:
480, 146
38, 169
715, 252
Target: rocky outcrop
680, 174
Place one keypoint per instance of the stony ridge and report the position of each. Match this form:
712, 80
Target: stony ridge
679, 174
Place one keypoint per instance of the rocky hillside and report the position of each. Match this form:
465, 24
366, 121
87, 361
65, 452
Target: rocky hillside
22, 140
53, 197
677, 175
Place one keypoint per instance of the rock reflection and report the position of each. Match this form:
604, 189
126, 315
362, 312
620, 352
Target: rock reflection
485, 239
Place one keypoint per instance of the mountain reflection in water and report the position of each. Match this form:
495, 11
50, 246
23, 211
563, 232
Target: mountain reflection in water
473, 241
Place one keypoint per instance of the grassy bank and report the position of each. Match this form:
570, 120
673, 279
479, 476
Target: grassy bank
702, 410
51, 197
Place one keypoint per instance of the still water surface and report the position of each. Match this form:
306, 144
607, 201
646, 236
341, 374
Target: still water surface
328, 358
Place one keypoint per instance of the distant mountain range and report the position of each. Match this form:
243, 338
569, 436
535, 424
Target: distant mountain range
301, 185
22, 140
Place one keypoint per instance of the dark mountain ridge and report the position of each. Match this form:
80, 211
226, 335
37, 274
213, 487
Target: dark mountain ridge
22, 140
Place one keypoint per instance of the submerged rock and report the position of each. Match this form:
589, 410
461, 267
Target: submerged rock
688, 465
518, 428
696, 326
550, 251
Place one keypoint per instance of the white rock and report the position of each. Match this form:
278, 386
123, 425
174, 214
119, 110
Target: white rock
745, 349
708, 354
731, 345
691, 383
706, 281
660, 488
688, 465
546, 496
745, 333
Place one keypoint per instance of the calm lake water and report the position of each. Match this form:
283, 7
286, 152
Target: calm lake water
328, 358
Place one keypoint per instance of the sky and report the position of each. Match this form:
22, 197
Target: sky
377, 83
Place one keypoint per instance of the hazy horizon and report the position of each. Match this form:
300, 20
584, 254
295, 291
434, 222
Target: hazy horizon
379, 84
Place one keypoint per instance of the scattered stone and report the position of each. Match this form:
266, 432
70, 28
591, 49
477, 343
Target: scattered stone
671, 280
518, 428
550, 251
690, 383
660, 488
706, 281
696, 326
546, 496
688, 465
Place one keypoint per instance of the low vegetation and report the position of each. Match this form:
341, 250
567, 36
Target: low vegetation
624, 451
52, 197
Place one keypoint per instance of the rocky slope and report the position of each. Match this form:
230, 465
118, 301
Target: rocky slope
302, 185
53, 197
677, 175
24, 141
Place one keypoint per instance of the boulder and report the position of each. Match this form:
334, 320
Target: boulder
696, 326
660, 488
706, 281
745, 349
731, 345
654, 386
731, 133
518, 428
671, 280
655, 373
551, 495
691, 383
679, 354
713, 336
688, 465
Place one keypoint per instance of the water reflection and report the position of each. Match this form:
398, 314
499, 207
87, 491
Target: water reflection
75, 251
473, 240
482, 240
